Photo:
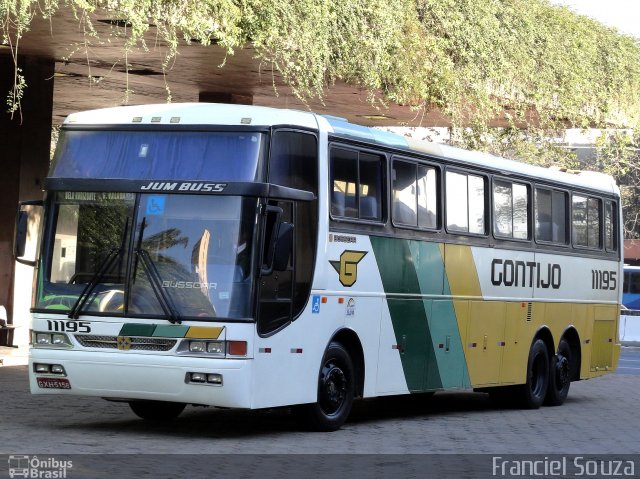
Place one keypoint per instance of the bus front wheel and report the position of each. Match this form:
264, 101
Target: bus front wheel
335, 391
156, 410
533, 392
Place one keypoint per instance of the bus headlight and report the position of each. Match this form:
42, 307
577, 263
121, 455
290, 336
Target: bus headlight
43, 339
215, 347
50, 340
197, 346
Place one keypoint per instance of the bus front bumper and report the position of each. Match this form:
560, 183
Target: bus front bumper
142, 376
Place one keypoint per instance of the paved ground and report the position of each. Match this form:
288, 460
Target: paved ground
629, 362
600, 416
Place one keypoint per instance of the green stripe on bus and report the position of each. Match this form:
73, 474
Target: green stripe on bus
164, 331
453, 362
417, 267
443, 325
133, 329
408, 315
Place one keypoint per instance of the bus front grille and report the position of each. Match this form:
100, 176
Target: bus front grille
125, 343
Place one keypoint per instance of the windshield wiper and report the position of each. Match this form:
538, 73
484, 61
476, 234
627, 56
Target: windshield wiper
156, 285
166, 303
93, 282
106, 264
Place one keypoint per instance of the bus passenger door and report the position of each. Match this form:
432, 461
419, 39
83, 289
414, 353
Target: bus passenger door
275, 286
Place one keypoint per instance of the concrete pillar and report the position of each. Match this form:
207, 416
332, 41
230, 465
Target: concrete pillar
25, 141
220, 97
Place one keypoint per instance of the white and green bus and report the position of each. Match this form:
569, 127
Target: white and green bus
247, 257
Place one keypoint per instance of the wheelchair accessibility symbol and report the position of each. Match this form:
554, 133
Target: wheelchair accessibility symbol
155, 205
315, 305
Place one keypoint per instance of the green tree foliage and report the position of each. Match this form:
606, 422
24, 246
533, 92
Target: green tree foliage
619, 155
538, 67
473, 59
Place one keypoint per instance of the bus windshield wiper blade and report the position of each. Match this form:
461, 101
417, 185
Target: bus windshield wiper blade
154, 277
156, 284
100, 272
93, 282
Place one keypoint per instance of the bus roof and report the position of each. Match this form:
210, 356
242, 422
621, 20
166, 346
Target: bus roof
223, 114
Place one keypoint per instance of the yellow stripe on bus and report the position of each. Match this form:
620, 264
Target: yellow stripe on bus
202, 332
461, 271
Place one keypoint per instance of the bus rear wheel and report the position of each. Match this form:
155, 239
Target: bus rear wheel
559, 375
156, 410
335, 391
533, 392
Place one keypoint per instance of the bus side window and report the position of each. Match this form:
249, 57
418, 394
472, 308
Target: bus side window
610, 226
510, 210
414, 194
550, 216
465, 203
404, 193
344, 172
370, 186
356, 185
586, 221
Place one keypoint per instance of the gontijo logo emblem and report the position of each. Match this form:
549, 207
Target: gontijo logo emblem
347, 266
123, 343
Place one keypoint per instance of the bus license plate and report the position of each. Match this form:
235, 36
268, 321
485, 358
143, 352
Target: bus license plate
54, 383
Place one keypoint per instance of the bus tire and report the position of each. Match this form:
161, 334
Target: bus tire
336, 388
559, 375
533, 392
156, 410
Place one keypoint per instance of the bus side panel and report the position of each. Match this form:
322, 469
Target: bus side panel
287, 363
604, 354
519, 327
464, 287
425, 330
485, 342
450, 365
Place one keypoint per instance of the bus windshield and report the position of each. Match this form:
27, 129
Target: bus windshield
171, 256
150, 155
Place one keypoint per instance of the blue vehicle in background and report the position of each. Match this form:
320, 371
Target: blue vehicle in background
631, 287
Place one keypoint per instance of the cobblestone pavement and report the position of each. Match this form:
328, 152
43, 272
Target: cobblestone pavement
600, 417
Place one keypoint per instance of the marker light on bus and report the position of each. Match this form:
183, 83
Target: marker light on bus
198, 377
214, 379
42, 368
237, 348
57, 369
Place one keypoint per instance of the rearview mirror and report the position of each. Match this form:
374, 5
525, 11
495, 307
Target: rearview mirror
29, 213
